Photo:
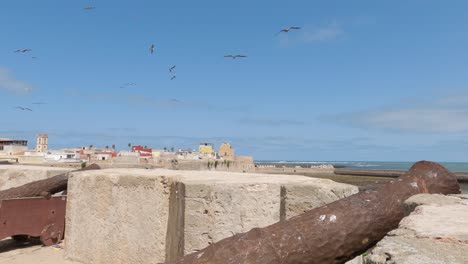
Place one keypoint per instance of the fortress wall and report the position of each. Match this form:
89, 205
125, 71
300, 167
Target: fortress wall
148, 216
16, 175
212, 165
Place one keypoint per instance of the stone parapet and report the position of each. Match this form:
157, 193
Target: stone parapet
150, 216
16, 175
435, 232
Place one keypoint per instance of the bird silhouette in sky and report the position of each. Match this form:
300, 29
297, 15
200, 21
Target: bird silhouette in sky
172, 68
89, 8
235, 56
173, 77
23, 108
152, 48
286, 30
23, 50
127, 85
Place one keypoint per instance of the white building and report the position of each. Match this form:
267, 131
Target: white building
58, 156
157, 153
187, 154
104, 155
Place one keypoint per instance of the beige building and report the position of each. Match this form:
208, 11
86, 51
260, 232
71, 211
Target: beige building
226, 150
12, 146
42, 143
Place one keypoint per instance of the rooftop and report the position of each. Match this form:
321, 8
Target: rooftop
9, 139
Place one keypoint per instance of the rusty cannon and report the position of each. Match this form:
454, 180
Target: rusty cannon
334, 233
31, 210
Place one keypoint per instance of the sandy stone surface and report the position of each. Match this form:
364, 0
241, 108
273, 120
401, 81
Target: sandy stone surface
436, 232
117, 216
16, 175
148, 216
12, 253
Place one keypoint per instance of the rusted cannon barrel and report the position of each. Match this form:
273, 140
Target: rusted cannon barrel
44, 187
334, 233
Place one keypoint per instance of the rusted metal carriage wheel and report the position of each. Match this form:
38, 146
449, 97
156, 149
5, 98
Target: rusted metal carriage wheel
51, 235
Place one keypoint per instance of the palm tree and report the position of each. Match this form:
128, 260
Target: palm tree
129, 145
113, 146
107, 147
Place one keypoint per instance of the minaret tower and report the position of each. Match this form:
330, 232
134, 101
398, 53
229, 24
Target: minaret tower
42, 143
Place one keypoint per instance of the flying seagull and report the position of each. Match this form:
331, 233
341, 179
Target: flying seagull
234, 56
23, 108
23, 50
286, 30
127, 85
152, 48
173, 77
172, 68
89, 8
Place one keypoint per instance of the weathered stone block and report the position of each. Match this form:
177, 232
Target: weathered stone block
310, 193
117, 216
149, 216
17, 175
215, 211
219, 204
436, 232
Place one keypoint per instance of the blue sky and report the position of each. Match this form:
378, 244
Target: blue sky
362, 80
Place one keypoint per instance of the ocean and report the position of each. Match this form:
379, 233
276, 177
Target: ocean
368, 165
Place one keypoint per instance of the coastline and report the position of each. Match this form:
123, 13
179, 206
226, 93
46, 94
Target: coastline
363, 178
362, 165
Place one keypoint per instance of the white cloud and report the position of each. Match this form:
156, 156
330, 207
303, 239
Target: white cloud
270, 122
10, 84
454, 100
313, 34
445, 115
148, 102
322, 34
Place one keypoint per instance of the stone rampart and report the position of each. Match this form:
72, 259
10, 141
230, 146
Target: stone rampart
149, 216
435, 232
16, 175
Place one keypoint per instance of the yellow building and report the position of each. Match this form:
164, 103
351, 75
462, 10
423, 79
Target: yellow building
226, 150
206, 148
